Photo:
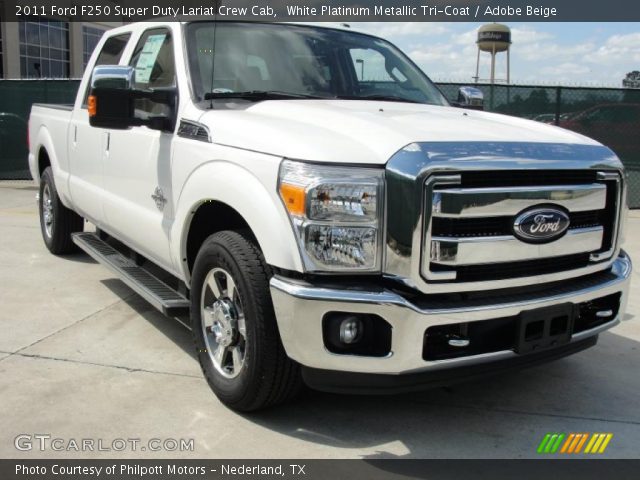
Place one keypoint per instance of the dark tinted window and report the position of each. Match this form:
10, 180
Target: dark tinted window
112, 50
109, 55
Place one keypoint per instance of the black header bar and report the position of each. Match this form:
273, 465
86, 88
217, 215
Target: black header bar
328, 10
374, 469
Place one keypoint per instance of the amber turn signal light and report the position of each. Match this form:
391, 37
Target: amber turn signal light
92, 105
293, 197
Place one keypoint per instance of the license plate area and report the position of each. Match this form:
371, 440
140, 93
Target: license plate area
544, 328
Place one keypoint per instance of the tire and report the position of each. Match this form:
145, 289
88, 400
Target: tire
57, 222
234, 326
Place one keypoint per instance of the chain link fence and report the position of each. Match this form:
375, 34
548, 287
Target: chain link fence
609, 115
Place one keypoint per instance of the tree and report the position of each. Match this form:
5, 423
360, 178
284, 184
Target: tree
632, 80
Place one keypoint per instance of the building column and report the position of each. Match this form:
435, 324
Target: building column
11, 49
76, 50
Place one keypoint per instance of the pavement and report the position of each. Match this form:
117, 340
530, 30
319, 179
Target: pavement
83, 357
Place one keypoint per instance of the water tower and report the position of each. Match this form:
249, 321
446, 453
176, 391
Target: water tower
493, 38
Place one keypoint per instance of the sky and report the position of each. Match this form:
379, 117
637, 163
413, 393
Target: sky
596, 54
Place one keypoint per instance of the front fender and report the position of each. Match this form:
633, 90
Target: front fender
256, 202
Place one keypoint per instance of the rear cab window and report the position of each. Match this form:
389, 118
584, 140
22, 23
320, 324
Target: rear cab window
110, 54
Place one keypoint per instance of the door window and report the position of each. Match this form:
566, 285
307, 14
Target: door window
109, 55
154, 65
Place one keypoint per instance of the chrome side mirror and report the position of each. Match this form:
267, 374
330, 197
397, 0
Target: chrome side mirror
112, 76
113, 96
470, 97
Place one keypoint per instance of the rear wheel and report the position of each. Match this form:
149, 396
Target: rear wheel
234, 326
57, 222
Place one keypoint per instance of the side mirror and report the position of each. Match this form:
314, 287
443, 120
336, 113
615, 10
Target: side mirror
112, 100
470, 97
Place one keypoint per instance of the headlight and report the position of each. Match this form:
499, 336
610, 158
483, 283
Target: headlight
343, 202
336, 213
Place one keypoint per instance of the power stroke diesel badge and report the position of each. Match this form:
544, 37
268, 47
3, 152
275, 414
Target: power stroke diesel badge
541, 225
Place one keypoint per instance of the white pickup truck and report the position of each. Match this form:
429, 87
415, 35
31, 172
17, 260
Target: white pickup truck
324, 215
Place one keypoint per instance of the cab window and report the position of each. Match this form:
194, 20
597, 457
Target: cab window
154, 68
110, 54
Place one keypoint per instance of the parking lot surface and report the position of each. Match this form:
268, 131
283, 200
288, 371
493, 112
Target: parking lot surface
83, 357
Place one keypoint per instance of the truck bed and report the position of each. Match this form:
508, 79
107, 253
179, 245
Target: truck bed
55, 106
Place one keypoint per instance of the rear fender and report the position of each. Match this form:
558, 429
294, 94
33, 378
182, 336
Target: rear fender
43, 140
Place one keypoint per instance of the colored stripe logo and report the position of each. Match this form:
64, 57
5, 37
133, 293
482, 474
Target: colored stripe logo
573, 443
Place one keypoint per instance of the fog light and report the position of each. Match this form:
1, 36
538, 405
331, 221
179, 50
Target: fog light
350, 333
350, 330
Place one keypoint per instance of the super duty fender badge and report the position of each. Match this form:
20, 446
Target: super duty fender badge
541, 225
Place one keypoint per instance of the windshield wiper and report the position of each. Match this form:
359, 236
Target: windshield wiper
381, 97
258, 95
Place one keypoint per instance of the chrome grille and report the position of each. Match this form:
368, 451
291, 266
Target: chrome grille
469, 216
494, 226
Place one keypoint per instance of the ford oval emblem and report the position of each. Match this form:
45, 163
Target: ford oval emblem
541, 225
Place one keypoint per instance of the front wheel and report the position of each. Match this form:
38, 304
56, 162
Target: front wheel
234, 326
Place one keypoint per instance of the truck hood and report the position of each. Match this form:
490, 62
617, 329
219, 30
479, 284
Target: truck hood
367, 132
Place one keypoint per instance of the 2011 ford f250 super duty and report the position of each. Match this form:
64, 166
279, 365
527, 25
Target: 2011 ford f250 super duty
323, 214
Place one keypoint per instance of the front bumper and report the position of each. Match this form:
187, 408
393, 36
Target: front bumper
300, 308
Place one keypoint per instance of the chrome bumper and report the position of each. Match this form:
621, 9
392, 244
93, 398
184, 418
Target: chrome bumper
300, 307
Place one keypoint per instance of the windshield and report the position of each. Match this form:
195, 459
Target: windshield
228, 58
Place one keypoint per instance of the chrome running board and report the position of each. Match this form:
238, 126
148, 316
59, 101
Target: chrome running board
152, 289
